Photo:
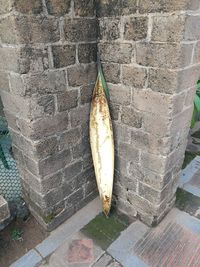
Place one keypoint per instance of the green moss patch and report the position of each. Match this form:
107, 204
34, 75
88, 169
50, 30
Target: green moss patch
104, 230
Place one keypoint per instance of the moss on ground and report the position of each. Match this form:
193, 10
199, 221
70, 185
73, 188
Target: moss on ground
189, 156
104, 230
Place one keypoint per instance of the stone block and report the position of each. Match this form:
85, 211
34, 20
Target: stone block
28, 6
83, 148
120, 94
116, 53
5, 7
152, 6
116, 8
68, 187
109, 29
154, 162
53, 197
4, 210
55, 162
29, 29
11, 119
72, 171
47, 147
10, 59
131, 117
79, 116
67, 100
111, 72
156, 124
121, 165
164, 55
163, 81
129, 152
196, 57
187, 78
44, 83
80, 30
82, 75
42, 106
70, 138
44, 127
86, 93
58, 7
63, 55
168, 28
149, 101
84, 8
190, 97
87, 53
75, 198
127, 208
135, 28
134, 76
4, 85
192, 25
121, 133
114, 111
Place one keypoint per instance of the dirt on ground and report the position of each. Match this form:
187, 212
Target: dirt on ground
18, 238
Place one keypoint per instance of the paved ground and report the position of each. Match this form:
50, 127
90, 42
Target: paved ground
174, 243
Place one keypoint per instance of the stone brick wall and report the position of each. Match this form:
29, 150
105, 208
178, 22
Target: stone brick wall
151, 60
150, 54
47, 73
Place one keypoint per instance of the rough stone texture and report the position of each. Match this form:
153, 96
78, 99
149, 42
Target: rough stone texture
150, 57
46, 85
149, 65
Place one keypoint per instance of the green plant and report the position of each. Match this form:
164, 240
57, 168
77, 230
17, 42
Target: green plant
196, 110
16, 234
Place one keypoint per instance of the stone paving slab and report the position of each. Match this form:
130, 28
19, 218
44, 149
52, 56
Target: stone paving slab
60, 235
173, 243
78, 251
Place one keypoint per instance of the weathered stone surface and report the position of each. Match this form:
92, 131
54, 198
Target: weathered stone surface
109, 29
114, 111
196, 58
44, 127
55, 162
116, 53
79, 115
58, 7
156, 124
87, 53
86, 93
42, 106
74, 198
168, 28
28, 30
128, 151
63, 55
5, 7
70, 138
131, 117
153, 6
192, 28
82, 75
80, 29
149, 101
84, 8
111, 72
67, 100
4, 84
187, 78
163, 81
153, 162
46, 147
121, 133
135, 28
83, 148
27, 6
44, 83
134, 76
166, 55
73, 170
120, 94
116, 7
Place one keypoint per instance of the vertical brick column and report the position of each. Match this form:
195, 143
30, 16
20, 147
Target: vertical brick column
47, 73
150, 54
